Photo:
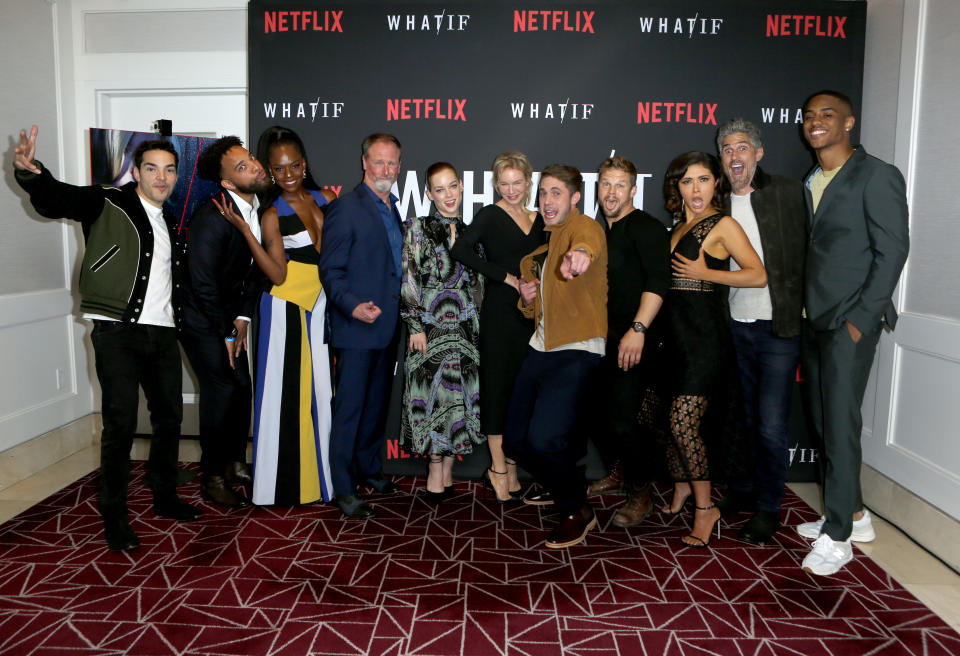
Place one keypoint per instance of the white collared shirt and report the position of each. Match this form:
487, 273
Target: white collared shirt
250, 215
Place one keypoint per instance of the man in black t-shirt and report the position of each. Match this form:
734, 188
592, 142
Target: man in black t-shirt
638, 274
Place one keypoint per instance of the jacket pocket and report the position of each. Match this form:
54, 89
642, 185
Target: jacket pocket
106, 257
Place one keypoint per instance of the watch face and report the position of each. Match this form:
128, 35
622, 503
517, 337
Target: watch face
234, 332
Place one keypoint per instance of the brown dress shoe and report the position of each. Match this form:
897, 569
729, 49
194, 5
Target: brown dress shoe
238, 473
612, 483
572, 529
215, 489
637, 508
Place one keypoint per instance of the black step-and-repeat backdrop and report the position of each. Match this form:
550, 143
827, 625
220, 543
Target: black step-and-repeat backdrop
569, 82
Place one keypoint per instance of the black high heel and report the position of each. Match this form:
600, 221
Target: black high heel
667, 511
516, 494
691, 536
434, 498
488, 485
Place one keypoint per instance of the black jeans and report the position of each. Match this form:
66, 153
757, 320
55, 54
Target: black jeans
609, 414
226, 400
539, 433
130, 356
768, 371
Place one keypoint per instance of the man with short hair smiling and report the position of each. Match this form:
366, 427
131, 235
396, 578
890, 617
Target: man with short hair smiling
360, 269
765, 323
221, 297
130, 289
859, 239
564, 289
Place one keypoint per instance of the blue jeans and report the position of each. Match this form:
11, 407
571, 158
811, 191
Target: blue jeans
768, 368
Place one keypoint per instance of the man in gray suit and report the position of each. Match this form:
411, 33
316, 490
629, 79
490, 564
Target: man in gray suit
857, 247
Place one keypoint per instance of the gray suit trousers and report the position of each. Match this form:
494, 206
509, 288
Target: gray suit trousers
836, 371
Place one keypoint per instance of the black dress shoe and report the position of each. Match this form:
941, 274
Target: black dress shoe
760, 527
119, 535
537, 495
734, 503
238, 473
215, 489
353, 506
572, 529
176, 508
383, 485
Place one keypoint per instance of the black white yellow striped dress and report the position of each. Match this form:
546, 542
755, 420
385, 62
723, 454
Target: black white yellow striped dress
291, 432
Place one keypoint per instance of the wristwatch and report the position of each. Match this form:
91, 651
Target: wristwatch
638, 327
233, 334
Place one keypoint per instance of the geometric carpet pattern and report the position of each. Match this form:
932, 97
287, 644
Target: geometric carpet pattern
470, 577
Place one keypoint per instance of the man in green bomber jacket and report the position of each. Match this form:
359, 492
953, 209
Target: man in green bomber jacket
129, 288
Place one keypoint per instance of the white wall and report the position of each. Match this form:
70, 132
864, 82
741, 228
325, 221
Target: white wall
910, 99
80, 64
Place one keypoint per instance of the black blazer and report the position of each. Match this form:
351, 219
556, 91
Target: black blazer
223, 282
858, 244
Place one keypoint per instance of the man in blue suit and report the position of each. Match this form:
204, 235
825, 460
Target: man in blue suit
360, 268
857, 246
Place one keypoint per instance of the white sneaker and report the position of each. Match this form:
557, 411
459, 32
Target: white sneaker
862, 529
827, 556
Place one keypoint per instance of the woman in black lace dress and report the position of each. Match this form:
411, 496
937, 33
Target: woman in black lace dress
694, 409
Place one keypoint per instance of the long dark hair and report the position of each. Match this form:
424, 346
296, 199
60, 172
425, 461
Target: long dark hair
274, 136
678, 168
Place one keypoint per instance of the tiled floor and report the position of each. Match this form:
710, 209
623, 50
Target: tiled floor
927, 578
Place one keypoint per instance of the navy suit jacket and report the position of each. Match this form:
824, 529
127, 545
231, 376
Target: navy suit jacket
858, 245
356, 266
223, 283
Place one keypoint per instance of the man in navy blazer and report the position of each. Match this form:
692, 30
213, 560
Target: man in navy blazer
220, 300
360, 269
857, 246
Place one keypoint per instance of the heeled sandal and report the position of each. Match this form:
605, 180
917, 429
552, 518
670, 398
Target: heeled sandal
516, 494
666, 510
704, 544
488, 484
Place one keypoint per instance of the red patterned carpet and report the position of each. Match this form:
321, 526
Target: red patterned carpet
469, 578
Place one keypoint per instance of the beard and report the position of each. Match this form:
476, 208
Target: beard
383, 186
255, 187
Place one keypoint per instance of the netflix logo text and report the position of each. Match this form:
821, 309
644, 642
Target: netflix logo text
676, 112
307, 20
404, 109
555, 20
806, 25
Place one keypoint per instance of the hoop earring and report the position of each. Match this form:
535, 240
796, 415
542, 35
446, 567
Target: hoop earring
272, 180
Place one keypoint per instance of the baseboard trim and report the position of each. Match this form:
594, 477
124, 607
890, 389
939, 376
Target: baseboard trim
920, 520
27, 458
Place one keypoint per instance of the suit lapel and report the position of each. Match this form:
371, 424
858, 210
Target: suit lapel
367, 201
834, 187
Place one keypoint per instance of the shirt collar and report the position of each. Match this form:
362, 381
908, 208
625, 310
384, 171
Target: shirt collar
246, 209
153, 212
375, 197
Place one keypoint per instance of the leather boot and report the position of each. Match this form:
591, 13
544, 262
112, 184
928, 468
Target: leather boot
215, 489
612, 483
637, 508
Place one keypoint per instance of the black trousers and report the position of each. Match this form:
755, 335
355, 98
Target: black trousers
225, 400
130, 356
836, 371
609, 415
539, 431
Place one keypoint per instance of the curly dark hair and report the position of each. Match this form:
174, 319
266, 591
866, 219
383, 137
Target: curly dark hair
676, 170
277, 135
209, 163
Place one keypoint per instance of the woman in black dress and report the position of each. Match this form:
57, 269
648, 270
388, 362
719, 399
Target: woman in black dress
695, 408
506, 231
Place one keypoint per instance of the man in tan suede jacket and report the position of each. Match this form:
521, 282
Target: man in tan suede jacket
564, 289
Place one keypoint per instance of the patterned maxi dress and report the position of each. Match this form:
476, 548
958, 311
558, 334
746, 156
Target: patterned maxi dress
439, 297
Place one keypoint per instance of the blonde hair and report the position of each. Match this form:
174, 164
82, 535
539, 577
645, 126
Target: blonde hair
513, 160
